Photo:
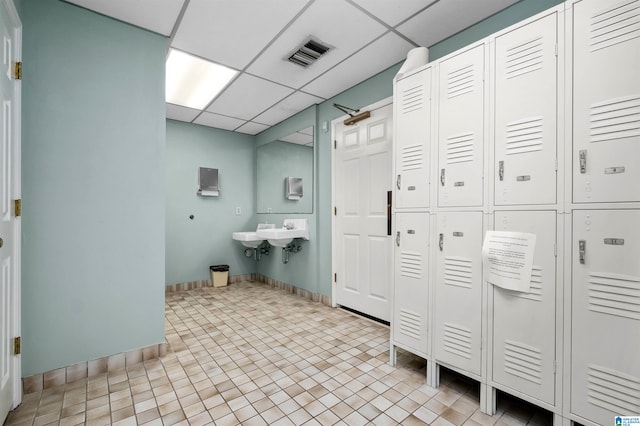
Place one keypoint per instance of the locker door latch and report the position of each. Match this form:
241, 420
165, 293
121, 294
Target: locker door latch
442, 177
583, 160
582, 248
398, 182
501, 170
441, 242
398, 238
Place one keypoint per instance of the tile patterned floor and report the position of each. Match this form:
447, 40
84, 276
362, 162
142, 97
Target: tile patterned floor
252, 355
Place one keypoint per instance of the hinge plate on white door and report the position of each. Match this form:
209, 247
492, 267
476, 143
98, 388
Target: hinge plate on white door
17, 70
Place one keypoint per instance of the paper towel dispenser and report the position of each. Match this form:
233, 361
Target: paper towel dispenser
208, 183
293, 188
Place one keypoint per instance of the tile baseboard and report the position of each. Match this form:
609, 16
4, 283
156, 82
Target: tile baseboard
83, 370
290, 288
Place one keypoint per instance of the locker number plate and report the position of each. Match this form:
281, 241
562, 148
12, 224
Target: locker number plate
614, 241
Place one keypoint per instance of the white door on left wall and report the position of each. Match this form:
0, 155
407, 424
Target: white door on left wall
10, 394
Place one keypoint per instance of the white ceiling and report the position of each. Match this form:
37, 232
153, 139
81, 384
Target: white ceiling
255, 37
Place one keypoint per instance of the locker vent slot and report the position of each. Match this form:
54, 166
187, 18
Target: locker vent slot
612, 390
460, 148
411, 265
615, 25
460, 81
615, 119
524, 58
457, 340
523, 361
411, 158
458, 271
614, 294
410, 323
412, 99
535, 286
524, 136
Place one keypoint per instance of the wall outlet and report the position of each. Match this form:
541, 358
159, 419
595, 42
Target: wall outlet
238, 211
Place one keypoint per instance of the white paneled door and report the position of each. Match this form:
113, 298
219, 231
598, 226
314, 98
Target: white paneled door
9, 125
362, 241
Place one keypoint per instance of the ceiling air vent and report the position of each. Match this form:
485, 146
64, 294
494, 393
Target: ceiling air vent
308, 53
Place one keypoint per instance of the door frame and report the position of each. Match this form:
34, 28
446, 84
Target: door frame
381, 103
16, 191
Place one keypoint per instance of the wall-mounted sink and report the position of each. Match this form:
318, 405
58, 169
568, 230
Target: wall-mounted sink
248, 238
281, 237
251, 238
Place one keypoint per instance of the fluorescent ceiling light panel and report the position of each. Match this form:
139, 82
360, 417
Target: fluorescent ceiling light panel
194, 82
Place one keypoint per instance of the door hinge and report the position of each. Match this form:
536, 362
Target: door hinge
17, 207
335, 277
16, 345
17, 70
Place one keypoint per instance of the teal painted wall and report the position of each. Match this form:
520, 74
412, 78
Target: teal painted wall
93, 185
276, 161
194, 245
302, 269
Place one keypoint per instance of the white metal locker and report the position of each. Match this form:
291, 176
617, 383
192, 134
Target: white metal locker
458, 290
461, 129
605, 311
526, 99
412, 118
606, 101
411, 282
524, 324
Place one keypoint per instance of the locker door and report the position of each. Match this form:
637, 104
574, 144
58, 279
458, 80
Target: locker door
606, 101
461, 129
526, 114
412, 115
605, 341
411, 297
458, 290
524, 324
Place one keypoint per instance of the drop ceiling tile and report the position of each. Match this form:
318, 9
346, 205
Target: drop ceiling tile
336, 23
158, 16
248, 96
446, 18
286, 108
252, 128
233, 32
393, 12
299, 138
364, 64
177, 112
219, 121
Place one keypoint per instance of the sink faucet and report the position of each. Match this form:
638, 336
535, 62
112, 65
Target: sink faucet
288, 225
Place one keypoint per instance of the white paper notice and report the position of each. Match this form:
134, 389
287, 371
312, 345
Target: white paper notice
507, 258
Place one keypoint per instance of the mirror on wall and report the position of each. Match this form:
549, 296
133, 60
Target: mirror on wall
277, 162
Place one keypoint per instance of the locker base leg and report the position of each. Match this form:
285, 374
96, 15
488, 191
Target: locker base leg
487, 399
392, 355
433, 374
559, 420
